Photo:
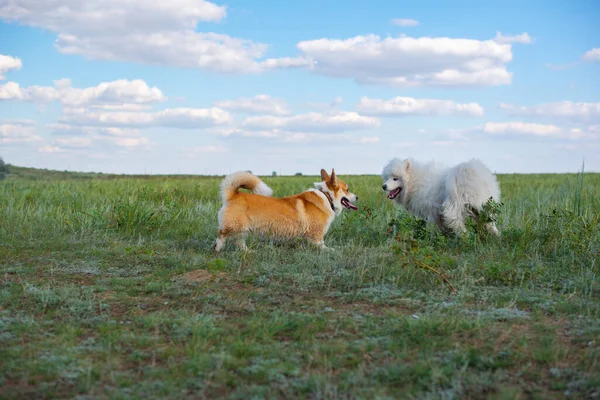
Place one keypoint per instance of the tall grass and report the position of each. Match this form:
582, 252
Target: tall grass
110, 288
577, 199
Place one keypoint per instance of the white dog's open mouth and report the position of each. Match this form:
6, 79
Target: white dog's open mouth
394, 193
346, 203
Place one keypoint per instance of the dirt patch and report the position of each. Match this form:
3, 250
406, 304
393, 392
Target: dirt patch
374, 308
201, 276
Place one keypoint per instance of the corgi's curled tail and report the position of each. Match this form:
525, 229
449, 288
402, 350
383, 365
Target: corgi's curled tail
243, 180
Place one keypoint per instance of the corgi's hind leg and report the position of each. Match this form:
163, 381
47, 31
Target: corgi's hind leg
221, 240
240, 241
232, 229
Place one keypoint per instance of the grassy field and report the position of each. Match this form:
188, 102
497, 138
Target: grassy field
109, 288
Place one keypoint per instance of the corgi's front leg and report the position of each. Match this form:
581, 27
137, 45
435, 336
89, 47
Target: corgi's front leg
321, 245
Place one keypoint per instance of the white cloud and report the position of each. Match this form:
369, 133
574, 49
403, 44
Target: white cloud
293, 131
314, 122
184, 118
39, 94
461, 134
578, 111
21, 121
7, 63
315, 138
286, 62
222, 130
109, 16
121, 107
126, 142
72, 137
74, 141
10, 91
286, 136
399, 106
260, 104
592, 55
332, 105
75, 130
365, 139
336, 101
591, 132
50, 149
405, 22
191, 118
116, 93
211, 51
148, 32
519, 129
258, 133
595, 129
525, 128
523, 38
18, 133
410, 62
541, 130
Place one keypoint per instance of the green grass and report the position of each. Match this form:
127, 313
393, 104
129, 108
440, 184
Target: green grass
109, 288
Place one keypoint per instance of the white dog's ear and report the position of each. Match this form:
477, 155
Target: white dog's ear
407, 165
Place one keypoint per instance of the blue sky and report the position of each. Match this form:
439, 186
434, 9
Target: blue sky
210, 87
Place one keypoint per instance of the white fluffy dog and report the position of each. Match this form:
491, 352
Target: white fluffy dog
443, 196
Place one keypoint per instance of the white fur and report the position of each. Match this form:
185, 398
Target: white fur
234, 181
326, 201
263, 190
442, 195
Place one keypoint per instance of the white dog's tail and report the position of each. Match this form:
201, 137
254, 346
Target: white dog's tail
243, 180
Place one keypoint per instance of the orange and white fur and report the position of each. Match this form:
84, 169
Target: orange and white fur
308, 214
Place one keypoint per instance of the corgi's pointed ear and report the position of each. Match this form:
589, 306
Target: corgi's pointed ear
324, 175
333, 178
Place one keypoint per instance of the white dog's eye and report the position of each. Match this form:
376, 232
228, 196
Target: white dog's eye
395, 179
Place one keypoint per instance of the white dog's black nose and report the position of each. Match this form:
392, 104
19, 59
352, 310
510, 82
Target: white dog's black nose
384, 187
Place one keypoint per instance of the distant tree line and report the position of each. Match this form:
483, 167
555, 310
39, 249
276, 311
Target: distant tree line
3, 169
274, 173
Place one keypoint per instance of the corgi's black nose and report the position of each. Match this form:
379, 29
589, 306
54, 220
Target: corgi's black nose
384, 187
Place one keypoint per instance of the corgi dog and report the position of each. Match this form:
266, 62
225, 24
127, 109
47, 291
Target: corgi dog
308, 214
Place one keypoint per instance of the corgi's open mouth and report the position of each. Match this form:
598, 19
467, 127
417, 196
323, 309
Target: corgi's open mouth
394, 193
346, 203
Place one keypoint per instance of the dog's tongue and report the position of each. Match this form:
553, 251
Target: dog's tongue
393, 193
346, 203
